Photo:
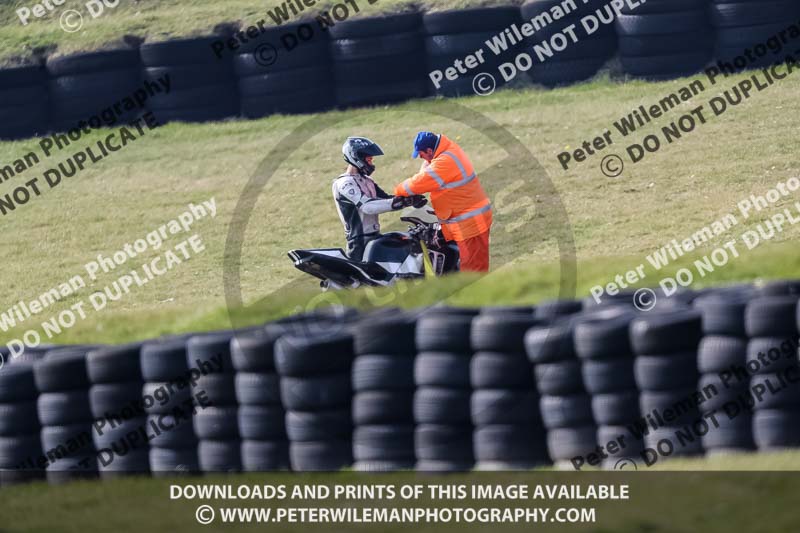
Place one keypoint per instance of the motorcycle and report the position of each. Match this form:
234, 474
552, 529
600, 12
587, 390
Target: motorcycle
419, 252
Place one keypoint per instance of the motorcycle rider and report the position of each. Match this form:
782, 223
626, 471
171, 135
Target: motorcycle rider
359, 200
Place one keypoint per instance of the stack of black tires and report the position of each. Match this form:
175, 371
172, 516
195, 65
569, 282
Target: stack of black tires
565, 405
722, 363
665, 344
443, 436
65, 414
454, 35
603, 345
315, 372
84, 85
116, 401
20, 446
663, 39
23, 102
203, 87
216, 411
509, 434
383, 386
165, 370
772, 358
576, 61
287, 69
265, 447
743, 25
378, 60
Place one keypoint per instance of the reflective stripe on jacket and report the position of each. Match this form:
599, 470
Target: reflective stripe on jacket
456, 193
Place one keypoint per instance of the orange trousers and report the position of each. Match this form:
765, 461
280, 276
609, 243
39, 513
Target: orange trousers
475, 253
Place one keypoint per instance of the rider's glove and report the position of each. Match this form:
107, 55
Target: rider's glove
418, 201
399, 202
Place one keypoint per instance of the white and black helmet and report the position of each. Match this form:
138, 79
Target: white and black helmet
357, 149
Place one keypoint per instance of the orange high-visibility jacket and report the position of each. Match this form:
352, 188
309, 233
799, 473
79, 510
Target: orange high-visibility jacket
457, 197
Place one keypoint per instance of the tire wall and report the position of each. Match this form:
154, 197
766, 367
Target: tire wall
302, 67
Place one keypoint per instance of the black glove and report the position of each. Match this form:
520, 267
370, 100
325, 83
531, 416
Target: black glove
399, 202
418, 201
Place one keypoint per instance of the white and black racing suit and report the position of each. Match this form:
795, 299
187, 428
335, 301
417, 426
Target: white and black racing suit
359, 201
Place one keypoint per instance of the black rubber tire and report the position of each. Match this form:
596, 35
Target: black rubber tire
489, 370
501, 332
658, 24
601, 338
742, 37
771, 316
439, 369
566, 411
383, 372
115, 364
71, 469
298, 102
219, 456
471, 20
779, 353
108, 400
62, 369
723, 314
17, 383
313, 356
22, 76
348, 96
564, 444
119, 81
219, 389
173, 461
441, 406
383, 443
732, 434
725, 15
71, 440
627, 445
63, 408
779, 287
18, 418
517, 444
216, 423
381, 407
437, 442
253, 351
774, 429
265, 456
550, 344
262, 422
185, 77
164, 361
666, 372
165, 397
100, 61
193, 50
210, 353
616, 408
359, 27
666, 332
500, 406
389, 335
319, 425
275, 35
667, 44
324, 456
282, 82
119, 436
375, 48
174, 432
720, 353
306, 55
718, 390
731, 55
679, 445
608, 375
134, 462
665, 66
194, 98
552, 309
526, 310
316, 393
559, 378
457, 44
659, 6
15, 451
769, 392
676, 407
442, 332
257, 389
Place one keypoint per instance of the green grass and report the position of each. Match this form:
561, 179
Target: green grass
615, 222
